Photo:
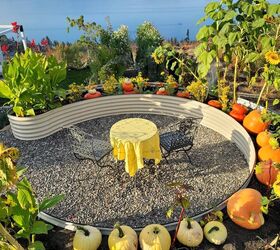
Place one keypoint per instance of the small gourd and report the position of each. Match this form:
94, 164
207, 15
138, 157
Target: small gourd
215, 232
263, 138
190, 233
155, 237
123, 238
253, 122
266, 172
87, 238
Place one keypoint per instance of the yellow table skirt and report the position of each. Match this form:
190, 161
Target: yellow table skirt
134, 140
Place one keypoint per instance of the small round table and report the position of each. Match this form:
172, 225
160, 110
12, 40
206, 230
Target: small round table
134, 139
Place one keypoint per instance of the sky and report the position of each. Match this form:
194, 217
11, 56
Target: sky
40, 18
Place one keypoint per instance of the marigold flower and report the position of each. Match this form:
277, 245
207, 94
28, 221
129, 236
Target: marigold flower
272, 57
4, 48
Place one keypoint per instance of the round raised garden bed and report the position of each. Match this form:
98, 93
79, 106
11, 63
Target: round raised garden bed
142, 105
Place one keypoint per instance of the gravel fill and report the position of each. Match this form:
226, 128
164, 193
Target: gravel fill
102, 196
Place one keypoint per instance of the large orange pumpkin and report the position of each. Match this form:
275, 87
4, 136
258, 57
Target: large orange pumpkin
239, 108
266, 173
253, 122
127, 86
268, 153
263, 138
244, 208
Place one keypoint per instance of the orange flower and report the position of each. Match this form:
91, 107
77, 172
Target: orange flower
272, 57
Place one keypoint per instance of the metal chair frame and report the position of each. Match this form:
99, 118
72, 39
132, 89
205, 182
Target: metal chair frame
179, 137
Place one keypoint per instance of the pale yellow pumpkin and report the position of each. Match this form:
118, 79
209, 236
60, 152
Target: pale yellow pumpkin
215, 232
155, 237
123, 238
190, 233
87, 238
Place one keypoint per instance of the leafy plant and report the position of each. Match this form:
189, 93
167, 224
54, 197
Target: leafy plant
181, 200
74, 92
31, 82
140, 81
198, 90
176, 61
147, 39
110, 85
18, 205
239, 33
109, 50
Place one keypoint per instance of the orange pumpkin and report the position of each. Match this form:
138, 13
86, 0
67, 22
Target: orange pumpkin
183, 94
215, 104
237, 116
266, 173
129, 92
127, 86
268, 153
263, 138
92, 95
244, 208
253, 122
162, 91
239, 108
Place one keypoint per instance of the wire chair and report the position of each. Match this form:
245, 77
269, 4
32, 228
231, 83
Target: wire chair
179, 137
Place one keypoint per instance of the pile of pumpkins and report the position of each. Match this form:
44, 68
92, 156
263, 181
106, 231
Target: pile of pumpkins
152, 237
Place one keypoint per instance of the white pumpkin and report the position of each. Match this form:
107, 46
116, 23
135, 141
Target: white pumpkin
190, 233
87, 238
92, 91
162, 89
155, 237
215, 232
123, 238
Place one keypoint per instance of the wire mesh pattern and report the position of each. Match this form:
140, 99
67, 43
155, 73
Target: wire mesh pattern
179, 137
87, 146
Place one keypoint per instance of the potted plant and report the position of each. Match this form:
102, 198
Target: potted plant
32, 83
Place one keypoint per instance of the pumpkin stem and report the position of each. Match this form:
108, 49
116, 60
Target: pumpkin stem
213, 229
156, 230
86, 232
189, 226
118, 226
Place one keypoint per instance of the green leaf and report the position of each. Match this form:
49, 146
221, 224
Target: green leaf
258, 23
275, 102
202, 33
266, 43
37, 245
50, 202
40, 227
24, 198
201, 20
30, 112
21, 217
252, 57
229, 15
232, 38
5, 91
211, 7
21, 170
23, 234
273, 9
173, 65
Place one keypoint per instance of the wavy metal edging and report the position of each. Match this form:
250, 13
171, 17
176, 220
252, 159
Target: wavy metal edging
31, 128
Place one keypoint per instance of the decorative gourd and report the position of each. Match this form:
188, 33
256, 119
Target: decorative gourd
239, 108
215, 232
237, 116
215, 104
92, 95
268, 153
263, 138
253, 122
155, 237
123, 238
87, 238
127, 85
183, 94
266, 173
92, 91
161, 91
244, 208
190, 233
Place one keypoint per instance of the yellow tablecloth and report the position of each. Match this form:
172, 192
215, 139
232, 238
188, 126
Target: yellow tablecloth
133, 140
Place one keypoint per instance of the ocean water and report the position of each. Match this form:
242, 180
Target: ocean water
40, 18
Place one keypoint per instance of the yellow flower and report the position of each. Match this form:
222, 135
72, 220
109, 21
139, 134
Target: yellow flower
276, 186
272, 57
